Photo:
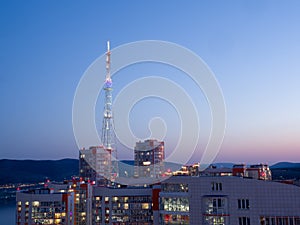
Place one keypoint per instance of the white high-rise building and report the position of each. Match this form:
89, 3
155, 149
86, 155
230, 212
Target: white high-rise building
95, 165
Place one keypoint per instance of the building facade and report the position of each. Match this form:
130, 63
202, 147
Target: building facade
42, 206
223, 200
257, 171
95, 164
203, 200
68, 203
125, 206
149, 158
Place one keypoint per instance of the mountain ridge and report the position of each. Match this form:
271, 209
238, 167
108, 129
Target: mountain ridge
14, 171
285, 165
33, 171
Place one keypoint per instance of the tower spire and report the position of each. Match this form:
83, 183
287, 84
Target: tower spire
108, 62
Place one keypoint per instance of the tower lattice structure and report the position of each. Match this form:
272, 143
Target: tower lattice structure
108, 135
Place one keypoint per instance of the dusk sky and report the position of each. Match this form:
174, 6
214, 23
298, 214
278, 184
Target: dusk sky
253, 48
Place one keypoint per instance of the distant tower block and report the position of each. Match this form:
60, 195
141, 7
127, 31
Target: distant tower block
108, 135
94, 164
149, 159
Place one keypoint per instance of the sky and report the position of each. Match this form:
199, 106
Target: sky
252, 47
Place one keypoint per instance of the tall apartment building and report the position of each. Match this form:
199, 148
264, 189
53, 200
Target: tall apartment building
149, 158
95, 165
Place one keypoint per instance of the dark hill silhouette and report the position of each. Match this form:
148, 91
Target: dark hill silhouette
285, 165
32, 171
285, 171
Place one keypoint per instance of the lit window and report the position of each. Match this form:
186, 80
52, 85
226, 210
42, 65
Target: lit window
126, 206
282, 220
180, 204
175, 219
215, 205
145, 206
215, 220
36, 204
175, 187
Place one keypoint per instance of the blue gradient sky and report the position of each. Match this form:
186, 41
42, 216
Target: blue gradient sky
253, 47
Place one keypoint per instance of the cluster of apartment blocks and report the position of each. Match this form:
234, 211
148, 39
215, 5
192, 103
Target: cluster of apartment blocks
215, 200
216, 196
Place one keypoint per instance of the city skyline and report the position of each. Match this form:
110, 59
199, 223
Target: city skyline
252, 48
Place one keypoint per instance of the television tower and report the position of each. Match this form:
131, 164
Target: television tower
108, 135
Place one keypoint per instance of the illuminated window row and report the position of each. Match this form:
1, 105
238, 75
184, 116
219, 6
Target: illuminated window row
215, 220
175, 187
180, 204
279, 220
175, 219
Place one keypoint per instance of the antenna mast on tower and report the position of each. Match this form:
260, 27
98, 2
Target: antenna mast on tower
108, 62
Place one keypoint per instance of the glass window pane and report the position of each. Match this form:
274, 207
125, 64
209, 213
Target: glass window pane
240, 221
243, 204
